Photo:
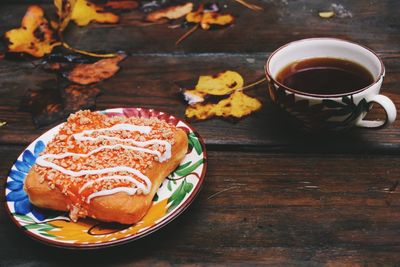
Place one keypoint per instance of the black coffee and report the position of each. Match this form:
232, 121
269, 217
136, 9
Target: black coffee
325, 76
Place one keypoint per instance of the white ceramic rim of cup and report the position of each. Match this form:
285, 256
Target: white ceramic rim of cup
377, 77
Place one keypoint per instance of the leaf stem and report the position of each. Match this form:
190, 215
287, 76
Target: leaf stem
189, 32
67, 46
252, 84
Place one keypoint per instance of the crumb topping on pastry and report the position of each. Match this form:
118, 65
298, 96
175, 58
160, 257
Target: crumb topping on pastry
108, 157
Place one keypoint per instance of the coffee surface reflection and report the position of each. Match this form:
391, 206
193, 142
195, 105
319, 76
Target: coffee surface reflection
325, 76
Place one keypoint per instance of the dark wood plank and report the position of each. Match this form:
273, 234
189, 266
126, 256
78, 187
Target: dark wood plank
149, 81
372, 23
257, 209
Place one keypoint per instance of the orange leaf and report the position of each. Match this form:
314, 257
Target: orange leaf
34, 37
98, 71
121, 4
172, 12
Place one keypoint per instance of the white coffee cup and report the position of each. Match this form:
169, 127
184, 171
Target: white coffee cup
310, 108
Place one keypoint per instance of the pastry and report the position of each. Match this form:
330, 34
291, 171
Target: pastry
107, 168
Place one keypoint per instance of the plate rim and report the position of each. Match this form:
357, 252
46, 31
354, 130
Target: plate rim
111, 243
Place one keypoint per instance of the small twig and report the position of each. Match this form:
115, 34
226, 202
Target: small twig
252, 84
250, 6
224, 190
174, 26
189, 32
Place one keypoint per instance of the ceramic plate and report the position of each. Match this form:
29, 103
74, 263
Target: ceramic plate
55, 228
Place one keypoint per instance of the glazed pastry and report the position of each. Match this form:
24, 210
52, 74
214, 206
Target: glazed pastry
107, 168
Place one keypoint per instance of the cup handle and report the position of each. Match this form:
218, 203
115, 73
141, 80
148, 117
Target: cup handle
389, 108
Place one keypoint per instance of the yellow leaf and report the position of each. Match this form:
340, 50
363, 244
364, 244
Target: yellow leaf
221, 84
206, 19
64, 12
34, 37
2, 123
212, 18
236, 105
84, 12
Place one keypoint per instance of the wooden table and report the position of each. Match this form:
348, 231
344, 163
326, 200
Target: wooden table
272, 195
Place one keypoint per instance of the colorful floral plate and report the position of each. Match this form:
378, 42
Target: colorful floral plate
55, 228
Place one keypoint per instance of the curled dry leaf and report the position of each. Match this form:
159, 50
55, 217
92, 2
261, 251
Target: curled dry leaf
171, 12
50, 105
91, 73
236, 105
206, 18
78, 97
227, 87
221, 84
35, 36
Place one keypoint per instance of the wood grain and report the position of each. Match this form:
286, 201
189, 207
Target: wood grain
150, 81
272, 195
373, 23
259, 209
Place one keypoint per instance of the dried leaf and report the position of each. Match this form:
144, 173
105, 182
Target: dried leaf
121, 4
50, 105
207, 18
227, 89
2, 123
326, 14
91, 73
77, 97
35, 36
236, 105
64, 12
171, 12
84, 12
221, 84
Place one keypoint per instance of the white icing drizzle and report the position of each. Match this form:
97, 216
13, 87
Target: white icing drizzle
43, 162
128, 190
145, 189
161, 158
139, 146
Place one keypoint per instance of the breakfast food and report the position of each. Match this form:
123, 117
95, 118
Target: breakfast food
107, 168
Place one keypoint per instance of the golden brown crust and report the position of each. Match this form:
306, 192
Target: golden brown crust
119, 207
